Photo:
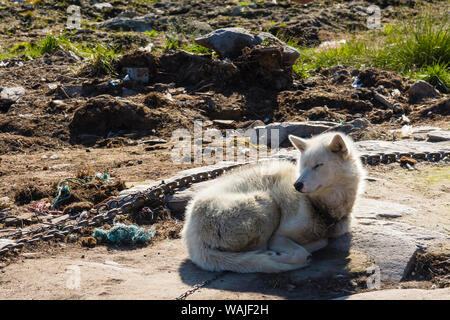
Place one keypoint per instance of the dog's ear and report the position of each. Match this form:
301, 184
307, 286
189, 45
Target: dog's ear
338, 145
297, 142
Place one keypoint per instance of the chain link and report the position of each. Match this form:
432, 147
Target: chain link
198, 286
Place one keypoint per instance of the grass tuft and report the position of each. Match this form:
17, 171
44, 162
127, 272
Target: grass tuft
418, 48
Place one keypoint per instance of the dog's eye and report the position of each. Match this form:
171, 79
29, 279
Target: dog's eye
317, 165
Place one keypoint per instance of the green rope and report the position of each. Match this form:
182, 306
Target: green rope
63, 191
104, 177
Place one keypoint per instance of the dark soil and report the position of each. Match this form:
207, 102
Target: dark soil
185, 87
432, 265
82, 196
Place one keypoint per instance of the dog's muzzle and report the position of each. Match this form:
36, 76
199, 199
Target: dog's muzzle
298, 186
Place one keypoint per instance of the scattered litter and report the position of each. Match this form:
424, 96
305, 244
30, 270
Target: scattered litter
31, 255
54, 157
84, 215
406, 131
114, 83
52, 86
144, 214
405, 119
104, 201
64, 191
5, 199
395, 93
103, 177
137, 74
11, 95
89, 242
407, 160
43, 208
72, 238
169, 96
149, 47
124, 234
332, 44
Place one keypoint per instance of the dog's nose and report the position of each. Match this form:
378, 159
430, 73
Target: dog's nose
298, 186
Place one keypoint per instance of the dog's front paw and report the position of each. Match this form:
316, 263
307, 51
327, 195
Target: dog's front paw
297, 257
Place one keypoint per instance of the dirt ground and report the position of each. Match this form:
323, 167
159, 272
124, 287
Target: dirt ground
74, 123
112, 272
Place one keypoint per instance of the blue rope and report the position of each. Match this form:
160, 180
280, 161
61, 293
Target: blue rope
123, 234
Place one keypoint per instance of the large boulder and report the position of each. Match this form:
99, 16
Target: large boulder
421, 90
229, 42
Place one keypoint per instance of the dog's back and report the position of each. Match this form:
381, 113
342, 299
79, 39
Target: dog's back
229, 224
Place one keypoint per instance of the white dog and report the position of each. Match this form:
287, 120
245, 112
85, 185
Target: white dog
271, 216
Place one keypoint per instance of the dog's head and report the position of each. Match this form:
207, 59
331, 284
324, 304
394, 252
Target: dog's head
325, 160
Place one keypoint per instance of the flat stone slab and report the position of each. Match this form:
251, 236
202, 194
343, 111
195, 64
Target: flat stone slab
377, 209
403, 146
276, 134
438, 135
390, 244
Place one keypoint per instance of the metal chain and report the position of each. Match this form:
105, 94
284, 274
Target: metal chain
198, 286
156, 196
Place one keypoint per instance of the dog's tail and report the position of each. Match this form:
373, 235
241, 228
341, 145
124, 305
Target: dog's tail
265, 261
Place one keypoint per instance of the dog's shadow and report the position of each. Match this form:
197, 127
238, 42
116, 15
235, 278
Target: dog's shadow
330, 268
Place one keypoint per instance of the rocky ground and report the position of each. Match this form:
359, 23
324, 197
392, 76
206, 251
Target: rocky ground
59, 118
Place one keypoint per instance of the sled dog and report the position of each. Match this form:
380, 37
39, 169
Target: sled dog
270, 216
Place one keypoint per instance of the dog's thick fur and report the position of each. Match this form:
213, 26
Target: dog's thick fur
254, 220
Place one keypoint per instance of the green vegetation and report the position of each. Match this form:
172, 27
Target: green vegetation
171, 43
419, 49
152, 33
33, 49
435, 175
101, 57
195, 48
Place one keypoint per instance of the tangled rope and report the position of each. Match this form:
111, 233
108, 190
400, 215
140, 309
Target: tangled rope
63, 190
